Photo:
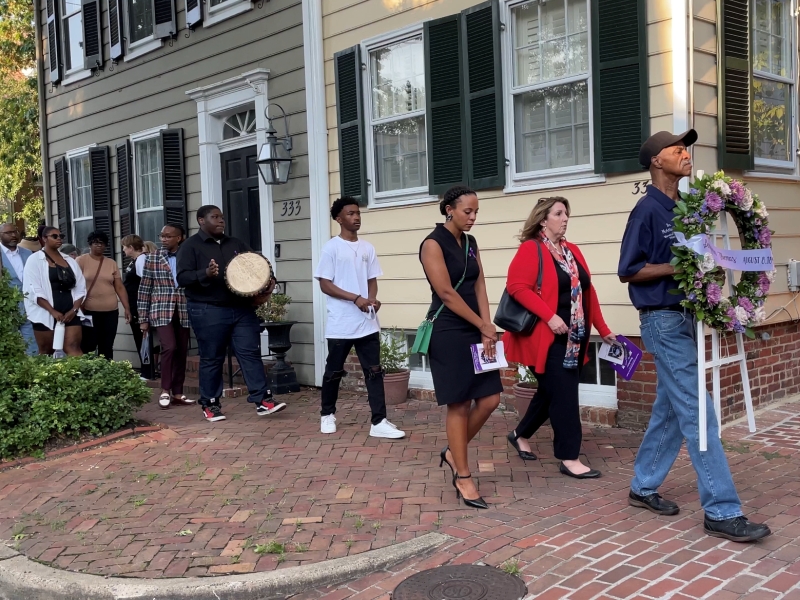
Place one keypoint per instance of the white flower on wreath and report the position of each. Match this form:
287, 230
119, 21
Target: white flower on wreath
742, 315
761, 210
759, 316
747, 202
724, 304
708, 263
770, 275
723, 188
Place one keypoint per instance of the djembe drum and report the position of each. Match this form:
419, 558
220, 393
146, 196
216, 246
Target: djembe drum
248, 274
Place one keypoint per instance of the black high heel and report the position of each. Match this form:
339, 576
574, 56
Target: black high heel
512, 438
443, 456
477, 503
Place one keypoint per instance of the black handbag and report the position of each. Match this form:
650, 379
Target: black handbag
511, 315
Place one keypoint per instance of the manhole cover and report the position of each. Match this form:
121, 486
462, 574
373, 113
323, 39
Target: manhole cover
461, 582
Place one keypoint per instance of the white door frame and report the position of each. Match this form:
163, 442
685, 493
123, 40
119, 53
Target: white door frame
215, 102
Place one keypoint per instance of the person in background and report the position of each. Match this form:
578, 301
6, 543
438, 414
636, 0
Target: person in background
348, 274
555, 350
449, 256
54, 290
70, 251
162, 305
219, 317
133, 248
669, 334
150, 248
103, 288
30, 244
13, 259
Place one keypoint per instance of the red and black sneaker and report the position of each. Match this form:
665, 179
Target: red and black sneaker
268, 407
213, 413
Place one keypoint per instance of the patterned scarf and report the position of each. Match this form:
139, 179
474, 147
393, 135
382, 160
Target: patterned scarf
577, 322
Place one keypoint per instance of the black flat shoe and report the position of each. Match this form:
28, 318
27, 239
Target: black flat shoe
738, 529
523, 454
477, 502
443, 456
654, 503
592, 474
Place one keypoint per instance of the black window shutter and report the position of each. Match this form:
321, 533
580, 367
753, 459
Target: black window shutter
194, 13
483, 96
116, 29
734, 94
350, 121
54, 42
101, 195
619, 84
92, 40
62, 199
164, 23
173, 177
125, 193
443, 103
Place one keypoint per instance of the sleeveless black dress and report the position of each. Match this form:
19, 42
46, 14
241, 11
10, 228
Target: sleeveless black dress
449, 355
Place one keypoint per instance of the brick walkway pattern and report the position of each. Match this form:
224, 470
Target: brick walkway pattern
260, 493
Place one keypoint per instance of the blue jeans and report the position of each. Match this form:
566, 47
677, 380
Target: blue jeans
670, 336
31, 347
216, 327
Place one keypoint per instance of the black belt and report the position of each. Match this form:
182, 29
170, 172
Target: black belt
673, 307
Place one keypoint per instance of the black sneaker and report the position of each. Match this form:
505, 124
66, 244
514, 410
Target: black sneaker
654, 503
738, 529
213, 413
268, 407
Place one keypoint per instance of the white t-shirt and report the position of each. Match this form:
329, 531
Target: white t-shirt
349, 265
139, 265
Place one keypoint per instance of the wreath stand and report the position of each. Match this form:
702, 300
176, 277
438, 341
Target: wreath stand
717, 362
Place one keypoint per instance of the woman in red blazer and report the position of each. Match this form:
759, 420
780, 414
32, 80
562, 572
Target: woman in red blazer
567, 308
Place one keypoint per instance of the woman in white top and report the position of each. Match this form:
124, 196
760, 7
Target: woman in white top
54, 291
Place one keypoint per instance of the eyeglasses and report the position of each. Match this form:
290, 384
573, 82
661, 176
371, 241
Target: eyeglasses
57, 236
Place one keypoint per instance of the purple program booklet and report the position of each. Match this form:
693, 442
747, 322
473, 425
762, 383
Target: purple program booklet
629, 361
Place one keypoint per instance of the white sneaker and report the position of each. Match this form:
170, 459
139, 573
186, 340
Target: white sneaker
328, 424
385, 429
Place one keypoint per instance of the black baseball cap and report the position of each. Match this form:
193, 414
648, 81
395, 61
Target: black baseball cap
663, 139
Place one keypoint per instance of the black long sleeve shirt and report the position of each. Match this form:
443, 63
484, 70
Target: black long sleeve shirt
195, 255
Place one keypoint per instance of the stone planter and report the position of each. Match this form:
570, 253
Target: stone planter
395, 386
282, 378
523, 393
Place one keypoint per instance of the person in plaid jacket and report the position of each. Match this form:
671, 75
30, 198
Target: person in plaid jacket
162, 305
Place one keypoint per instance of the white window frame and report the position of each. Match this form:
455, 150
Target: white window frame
595, 394
550, 178
418, 379
765, 167
224, 11
77, 74
140, 137
409, 195
136, 49
69, 155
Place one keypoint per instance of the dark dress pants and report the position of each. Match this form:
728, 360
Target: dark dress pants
368, 350
557, 399
174, 348
217, 327
100, 336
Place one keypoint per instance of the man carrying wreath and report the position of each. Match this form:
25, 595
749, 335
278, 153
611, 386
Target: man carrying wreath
669, 334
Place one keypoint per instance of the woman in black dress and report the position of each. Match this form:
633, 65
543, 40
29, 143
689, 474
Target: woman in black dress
447, 255
133, 247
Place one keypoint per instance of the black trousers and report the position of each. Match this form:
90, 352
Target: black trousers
146, 370
100, 336
557, 399
368, 350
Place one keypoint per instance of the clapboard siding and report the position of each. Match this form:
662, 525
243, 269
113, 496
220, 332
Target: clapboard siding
150, 91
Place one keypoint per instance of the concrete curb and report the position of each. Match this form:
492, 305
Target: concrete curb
24, 579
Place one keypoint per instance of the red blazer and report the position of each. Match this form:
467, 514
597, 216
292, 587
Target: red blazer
531, 350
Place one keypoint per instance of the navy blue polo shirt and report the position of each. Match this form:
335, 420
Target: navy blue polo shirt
648, 238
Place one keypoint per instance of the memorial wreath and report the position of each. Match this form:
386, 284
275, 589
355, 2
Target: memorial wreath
696, 259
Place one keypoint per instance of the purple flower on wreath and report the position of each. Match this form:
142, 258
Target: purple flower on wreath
698, 285
759, 293
692, 296
737, 192
746, 304
731, 313
713, 293
694, 191
729, 325
738, 327
763, 283
714, 202
704, 207
765, 236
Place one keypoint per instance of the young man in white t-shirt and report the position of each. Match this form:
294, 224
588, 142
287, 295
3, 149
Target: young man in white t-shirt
348, 274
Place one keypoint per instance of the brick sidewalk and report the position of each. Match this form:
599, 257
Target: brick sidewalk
205, 499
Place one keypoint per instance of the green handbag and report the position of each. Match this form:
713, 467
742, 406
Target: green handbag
425, 330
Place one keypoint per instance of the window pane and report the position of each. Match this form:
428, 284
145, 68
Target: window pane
398, 79
550, 42
771, 119
73, 42
589, 370
771, 37
552, 127
81, 231
148, 177
150, 224
608, 376
400, 154
140, 19
80, 187
242, 123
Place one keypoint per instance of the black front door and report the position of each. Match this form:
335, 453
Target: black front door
240, 193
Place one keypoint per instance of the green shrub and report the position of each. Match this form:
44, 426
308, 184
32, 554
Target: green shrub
274, 310
42, 398
394, 357
12, 346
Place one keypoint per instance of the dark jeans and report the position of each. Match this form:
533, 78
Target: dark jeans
146, 370
368, 350
100, 336
556, 398
174, 347
217, 327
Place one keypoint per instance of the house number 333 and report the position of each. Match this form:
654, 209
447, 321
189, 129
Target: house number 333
291, 208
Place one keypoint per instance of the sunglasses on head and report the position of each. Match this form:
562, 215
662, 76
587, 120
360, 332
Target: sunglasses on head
57, 236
